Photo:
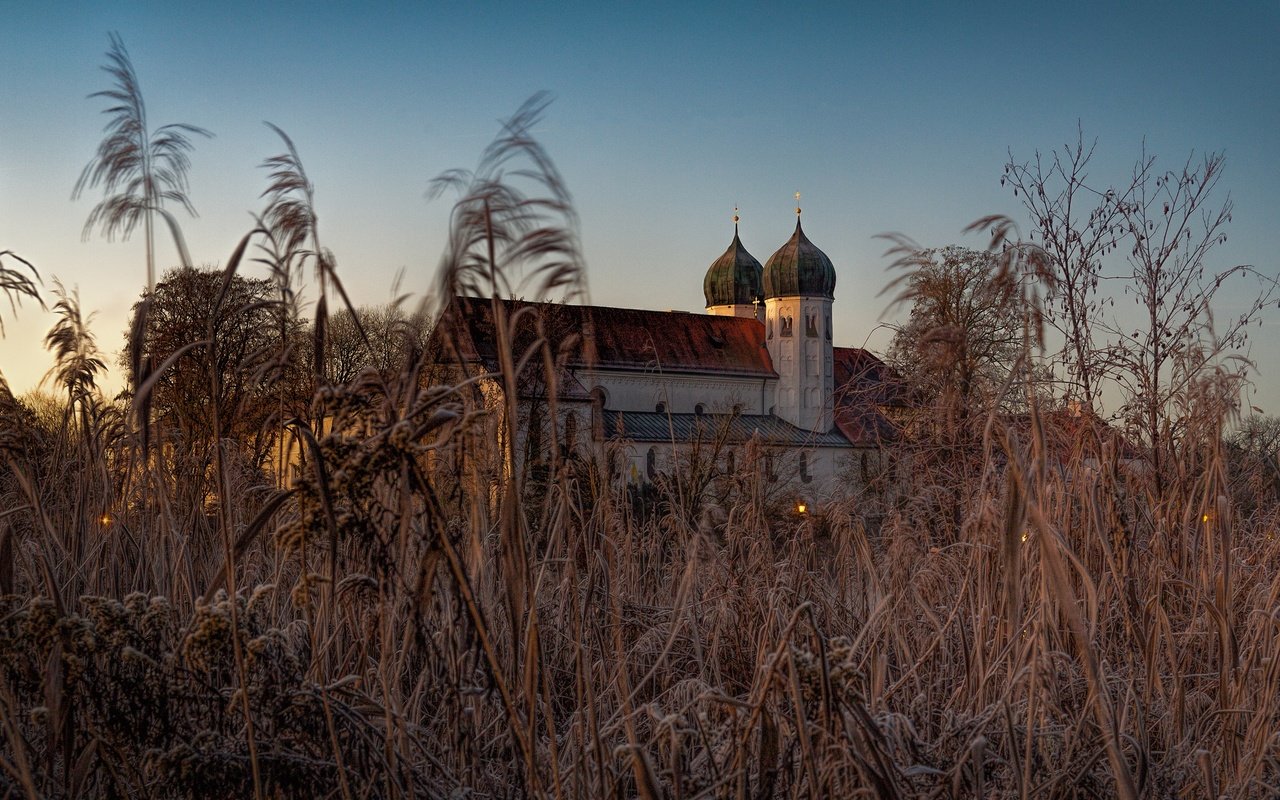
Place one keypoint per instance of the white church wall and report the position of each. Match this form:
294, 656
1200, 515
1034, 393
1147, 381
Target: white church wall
754, 311
681, 392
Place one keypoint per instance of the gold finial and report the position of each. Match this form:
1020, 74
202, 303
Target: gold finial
735, 216
797, 204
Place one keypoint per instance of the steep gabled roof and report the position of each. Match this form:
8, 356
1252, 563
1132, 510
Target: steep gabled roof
619, 338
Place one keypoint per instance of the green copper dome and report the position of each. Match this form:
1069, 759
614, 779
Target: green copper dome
733, 278
799, 268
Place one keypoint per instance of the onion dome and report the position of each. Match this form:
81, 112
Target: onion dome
734, 278
799, 268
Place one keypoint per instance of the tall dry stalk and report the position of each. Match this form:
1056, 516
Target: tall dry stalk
1021, 617
140, 169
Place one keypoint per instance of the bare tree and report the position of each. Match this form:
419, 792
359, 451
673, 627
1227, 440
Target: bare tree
1171, 223
1077, 224
393, 335
1254, 463
140, 170
1154, 234
235, 341
965, 333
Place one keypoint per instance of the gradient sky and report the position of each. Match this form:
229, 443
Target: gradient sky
893, 117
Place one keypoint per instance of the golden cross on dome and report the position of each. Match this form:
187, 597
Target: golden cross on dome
797, 204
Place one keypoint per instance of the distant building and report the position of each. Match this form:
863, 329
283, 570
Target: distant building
757, 372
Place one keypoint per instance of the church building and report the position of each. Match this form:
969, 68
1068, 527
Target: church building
758, 372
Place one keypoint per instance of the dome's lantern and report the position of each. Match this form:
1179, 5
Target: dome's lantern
733, 279
799, 269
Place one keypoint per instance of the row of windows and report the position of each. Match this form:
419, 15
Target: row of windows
600, 399
698, 408
786, 326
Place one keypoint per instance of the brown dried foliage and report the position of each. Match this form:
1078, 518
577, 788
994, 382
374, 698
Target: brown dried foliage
392, 615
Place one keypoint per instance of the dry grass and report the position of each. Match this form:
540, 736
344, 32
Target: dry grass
403, 620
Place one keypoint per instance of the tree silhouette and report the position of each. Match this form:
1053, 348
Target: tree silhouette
140, 170
233, 339
965, 332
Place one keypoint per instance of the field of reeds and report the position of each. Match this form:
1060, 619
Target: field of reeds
390, 612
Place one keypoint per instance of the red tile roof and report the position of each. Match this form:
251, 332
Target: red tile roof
624, 338
665, 341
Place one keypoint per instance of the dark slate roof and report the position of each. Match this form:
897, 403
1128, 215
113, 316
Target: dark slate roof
864, 383
864, 425
652, 426
860, 375
622, 338
799, 268
734, 278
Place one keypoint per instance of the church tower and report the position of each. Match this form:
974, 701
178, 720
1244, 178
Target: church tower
732, 285
799, 285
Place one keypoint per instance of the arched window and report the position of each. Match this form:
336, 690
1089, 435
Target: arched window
651, 463
730, 463
804, 468
768, 467
661, 407
699, 409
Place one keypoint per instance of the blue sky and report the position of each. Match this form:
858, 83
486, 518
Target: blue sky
893, 117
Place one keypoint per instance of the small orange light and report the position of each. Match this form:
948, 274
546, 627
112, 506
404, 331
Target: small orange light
801, 508
105, 519
1025, 536
1204, 518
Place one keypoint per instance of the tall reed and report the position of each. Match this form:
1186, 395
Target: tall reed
396, 614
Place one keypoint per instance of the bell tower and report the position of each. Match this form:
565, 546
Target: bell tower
799, 286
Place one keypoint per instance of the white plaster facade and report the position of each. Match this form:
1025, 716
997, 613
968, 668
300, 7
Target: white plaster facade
798, 335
